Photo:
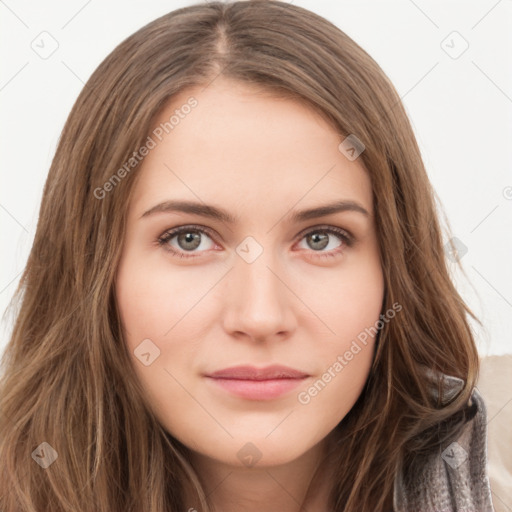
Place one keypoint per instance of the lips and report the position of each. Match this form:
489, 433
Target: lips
251, 373
253, 383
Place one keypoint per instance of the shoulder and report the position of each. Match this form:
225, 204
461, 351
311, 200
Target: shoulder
454, 478
495, 386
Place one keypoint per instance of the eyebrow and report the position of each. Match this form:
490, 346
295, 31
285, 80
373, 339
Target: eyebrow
222, 215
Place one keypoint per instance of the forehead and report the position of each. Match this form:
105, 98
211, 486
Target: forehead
241, 146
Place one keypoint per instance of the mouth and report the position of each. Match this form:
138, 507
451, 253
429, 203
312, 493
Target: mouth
252, 383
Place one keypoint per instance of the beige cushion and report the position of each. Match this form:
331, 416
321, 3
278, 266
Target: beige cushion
495, 386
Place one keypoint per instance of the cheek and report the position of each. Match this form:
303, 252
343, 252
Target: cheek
152, 300
350, 309
331, 394
347, 301
151, 304
343, 360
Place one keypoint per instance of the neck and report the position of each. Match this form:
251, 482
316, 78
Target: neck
299, 485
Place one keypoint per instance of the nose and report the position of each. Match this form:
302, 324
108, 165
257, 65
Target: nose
259, 302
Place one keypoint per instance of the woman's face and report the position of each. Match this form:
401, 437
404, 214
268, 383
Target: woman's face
273, 285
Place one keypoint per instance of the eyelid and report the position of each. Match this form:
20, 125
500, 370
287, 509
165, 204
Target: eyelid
342, 232
172, 232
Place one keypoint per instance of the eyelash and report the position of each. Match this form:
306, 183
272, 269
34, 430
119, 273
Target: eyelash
344, 235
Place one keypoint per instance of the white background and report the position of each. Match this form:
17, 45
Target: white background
460, 108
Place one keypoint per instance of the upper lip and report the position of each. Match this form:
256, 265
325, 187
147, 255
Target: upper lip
253, 373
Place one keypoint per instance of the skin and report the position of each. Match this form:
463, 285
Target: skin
261, 158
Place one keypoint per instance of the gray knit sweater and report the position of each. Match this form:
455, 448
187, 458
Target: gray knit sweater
455, 478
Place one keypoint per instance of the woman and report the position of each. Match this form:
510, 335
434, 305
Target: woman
307, 351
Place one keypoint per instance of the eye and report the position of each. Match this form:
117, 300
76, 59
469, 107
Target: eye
319, 238
190, 238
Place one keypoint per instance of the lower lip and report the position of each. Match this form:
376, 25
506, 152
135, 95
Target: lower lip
258, 389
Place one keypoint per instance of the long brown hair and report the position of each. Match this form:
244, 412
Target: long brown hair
66, 370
